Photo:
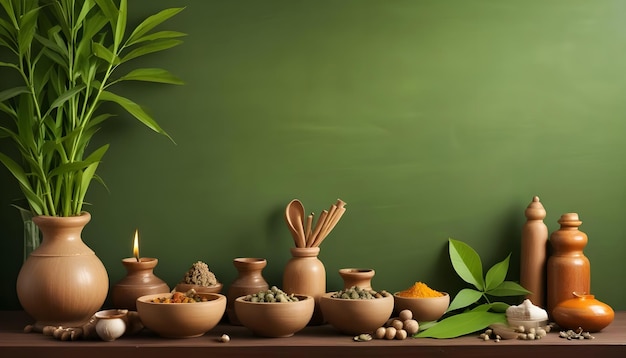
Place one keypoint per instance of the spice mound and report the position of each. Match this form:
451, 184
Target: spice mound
180, 297
272, 295
358, 293
419, 289
199, 274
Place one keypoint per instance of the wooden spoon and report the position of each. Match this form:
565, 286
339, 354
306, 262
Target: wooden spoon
294, 214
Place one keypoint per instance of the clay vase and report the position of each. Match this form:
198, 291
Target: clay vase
62, 283
305, 274
249, 281
568, 268
583, 311
534, 255
139, 281
359, 277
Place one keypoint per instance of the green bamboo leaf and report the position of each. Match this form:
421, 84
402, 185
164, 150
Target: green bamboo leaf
151, 75
7, 133
28, 25
52, 46
109, 10
12, 92
508, 288
26, 123
91, 27
7, 30
159, 36
5, 43
15, 169
8, 7
121, 25
497, 274
466, 263
149, 23
464, 298
104, 53
87, 6
134, 109
151, 47
64, 97
8, 110
66, 168
88, 174
462, 324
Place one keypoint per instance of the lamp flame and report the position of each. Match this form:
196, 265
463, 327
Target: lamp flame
136, 245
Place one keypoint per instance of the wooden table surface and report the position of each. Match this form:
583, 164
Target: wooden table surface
315, 341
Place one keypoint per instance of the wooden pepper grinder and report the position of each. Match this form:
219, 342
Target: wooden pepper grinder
568, 268
534, 253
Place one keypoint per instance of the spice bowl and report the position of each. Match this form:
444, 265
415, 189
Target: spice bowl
275, 319
424, 309
184, 287
355, 316
181, 320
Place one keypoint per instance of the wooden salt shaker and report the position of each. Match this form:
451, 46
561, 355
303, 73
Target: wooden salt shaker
534, 253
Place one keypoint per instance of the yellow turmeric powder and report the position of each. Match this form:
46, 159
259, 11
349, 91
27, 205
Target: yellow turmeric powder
420, 289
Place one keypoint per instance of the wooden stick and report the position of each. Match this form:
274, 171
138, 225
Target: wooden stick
318, 225
307, 234
338, 212
329, 218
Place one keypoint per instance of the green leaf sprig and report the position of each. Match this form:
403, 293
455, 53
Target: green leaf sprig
68, 55
468, 265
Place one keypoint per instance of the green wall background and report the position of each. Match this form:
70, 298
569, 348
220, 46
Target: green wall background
431, 119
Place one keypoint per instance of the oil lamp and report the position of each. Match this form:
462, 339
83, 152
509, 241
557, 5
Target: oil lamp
139, 281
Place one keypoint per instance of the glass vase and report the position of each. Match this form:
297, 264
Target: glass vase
32, 236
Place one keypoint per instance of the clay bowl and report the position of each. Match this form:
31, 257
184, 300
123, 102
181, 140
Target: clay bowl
424, 308
181, 320
184, 287
275, 319
356, 316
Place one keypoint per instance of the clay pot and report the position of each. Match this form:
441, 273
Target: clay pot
62, 283
139, 281
583, 311
249, 281
305, 274
357, 277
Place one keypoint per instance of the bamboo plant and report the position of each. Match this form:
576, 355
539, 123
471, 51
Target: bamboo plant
63, 59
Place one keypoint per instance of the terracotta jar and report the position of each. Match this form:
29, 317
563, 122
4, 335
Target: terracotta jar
305, 274
139, 281
534, 253
63, 282
359, 277
249, 280
568, 268
583, 311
